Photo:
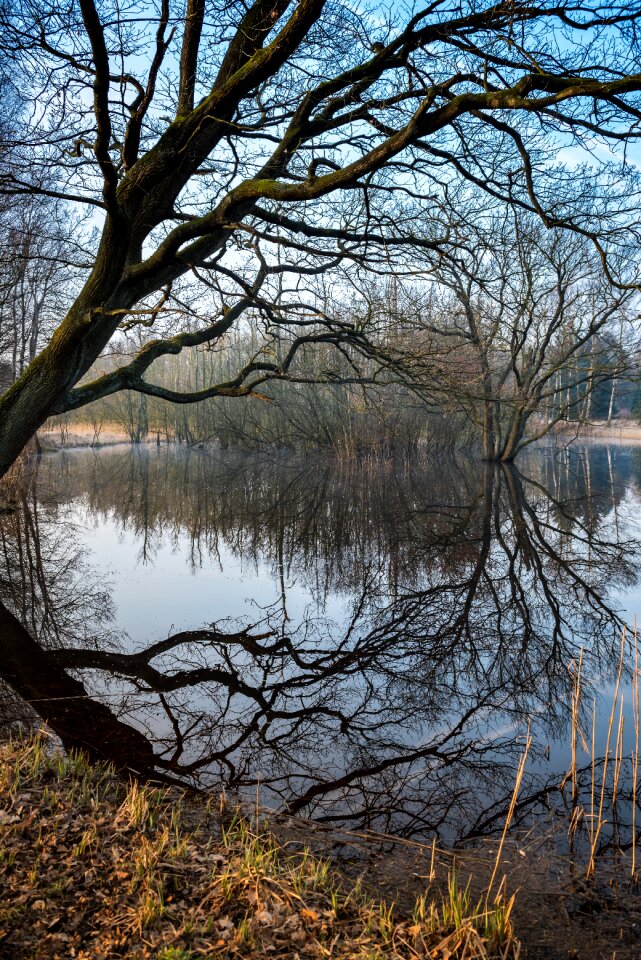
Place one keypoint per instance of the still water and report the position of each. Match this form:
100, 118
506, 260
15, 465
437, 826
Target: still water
363, 643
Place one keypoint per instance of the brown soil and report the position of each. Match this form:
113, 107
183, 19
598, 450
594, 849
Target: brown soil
94, 868
557, 914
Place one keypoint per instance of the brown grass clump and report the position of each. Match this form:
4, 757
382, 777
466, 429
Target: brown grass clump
92, 868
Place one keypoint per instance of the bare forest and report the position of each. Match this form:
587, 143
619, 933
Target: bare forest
320, 479
227, 203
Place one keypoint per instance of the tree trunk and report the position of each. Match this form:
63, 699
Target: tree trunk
89, 325
512, 443
611, 404
488, 433
63, 703
38, 392
26, 406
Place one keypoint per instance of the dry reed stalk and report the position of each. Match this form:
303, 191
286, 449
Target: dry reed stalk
576, 693
618, 755
575, 819
576, 697
635, 756
515, 793
600, 821
593, 776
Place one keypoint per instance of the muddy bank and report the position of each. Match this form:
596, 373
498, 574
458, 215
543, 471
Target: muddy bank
97, 866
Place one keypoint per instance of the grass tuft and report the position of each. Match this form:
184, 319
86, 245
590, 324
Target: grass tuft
94, 867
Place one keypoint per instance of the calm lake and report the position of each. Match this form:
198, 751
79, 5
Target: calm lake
365, 643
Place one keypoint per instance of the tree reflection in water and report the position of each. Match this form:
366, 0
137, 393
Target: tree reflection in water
472, 590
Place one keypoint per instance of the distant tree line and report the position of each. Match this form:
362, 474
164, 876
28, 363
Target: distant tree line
344, 417
518, 332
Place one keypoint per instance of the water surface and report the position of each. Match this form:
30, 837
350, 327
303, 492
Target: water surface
364, 643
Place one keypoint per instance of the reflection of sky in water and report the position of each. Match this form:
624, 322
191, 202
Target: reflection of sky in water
167, 592
624, 520
162, 584
628, 518
167, 581
171, 587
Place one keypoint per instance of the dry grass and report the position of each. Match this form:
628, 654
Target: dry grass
58, 434
590, 814
93, 868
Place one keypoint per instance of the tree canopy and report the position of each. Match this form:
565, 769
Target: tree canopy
252, 149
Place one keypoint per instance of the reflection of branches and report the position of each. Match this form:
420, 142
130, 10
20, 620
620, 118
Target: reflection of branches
45, 580
471, 592
62, 701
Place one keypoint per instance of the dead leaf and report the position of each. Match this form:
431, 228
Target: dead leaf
309, 915
6, 818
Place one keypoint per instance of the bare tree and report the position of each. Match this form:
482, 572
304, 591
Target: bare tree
515, 325
209, 140
36, 281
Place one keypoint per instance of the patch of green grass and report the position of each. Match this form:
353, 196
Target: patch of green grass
175, 953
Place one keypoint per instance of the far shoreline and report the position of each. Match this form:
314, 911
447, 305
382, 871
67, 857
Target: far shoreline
54, 439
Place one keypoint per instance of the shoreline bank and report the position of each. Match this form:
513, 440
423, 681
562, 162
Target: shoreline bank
100, 866
78, 435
